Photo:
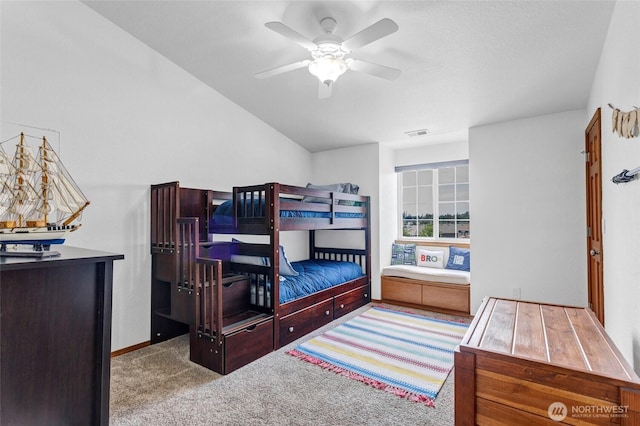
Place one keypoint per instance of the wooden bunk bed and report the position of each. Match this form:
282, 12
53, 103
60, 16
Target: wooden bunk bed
238, 315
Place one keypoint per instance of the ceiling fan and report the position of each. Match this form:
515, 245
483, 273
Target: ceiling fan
329, 52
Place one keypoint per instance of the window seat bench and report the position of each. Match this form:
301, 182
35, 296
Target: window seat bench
436, 289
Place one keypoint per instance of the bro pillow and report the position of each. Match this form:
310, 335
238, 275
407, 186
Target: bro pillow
431, 258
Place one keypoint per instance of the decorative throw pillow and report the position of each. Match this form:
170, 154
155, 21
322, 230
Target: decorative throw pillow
285, 265
431, 258
403, 254
336, 187
349, 188
249, 260
459, 259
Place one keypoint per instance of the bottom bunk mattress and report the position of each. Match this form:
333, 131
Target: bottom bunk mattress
314, 275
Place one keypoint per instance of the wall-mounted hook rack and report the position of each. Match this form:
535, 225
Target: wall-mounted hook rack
615, 107
625, 176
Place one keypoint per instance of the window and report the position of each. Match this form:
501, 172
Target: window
434, 200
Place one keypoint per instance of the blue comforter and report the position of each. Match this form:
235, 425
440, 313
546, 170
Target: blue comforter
315, 275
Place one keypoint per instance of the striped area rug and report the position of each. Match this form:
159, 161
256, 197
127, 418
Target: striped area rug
402, 353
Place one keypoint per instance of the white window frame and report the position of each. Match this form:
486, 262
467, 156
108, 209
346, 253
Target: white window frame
435, 199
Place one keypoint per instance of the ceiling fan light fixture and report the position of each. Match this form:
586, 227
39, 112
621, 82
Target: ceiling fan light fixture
329, 52
328, 68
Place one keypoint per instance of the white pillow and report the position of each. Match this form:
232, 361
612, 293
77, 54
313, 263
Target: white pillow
249, 260
430, 258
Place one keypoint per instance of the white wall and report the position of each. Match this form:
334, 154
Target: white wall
617, 82
389, 227
357, 165
434, 153
127, 118
528, 209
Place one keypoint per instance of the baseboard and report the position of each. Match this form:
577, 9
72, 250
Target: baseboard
148, 342
130, 349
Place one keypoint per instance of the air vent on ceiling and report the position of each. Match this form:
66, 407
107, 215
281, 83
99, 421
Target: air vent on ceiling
414, 133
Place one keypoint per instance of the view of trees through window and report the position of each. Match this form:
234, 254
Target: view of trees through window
442, 193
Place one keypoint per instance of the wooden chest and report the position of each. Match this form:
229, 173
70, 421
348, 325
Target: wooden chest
538, 364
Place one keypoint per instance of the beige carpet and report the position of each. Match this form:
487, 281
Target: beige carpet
158, 385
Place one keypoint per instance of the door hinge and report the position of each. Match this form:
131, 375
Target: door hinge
586, 156
588, 231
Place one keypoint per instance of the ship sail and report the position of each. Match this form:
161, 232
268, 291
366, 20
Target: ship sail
25, 196
6, 191
60, 192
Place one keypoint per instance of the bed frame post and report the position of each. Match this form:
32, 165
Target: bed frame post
312, 244
272, 195
367, 238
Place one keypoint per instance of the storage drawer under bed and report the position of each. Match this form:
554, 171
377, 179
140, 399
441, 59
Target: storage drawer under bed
239, 345
347, 302
305, 321
247, 345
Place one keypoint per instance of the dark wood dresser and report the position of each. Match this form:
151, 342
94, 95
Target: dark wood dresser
538, 364
55, 338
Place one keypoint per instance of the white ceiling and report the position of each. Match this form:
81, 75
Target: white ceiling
464, 63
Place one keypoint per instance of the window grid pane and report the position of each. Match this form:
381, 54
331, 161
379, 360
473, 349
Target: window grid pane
417, 203
441, 193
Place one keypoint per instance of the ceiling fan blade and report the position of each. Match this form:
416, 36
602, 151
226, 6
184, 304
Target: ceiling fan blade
381, 71
324, 90
374, 32
283, 30
282, 69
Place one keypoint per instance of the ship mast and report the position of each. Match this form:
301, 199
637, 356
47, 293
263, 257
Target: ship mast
45, 181
7, 172
20, 178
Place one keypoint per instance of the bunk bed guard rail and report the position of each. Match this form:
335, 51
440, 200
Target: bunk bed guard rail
164, 207
256, 204
208, 315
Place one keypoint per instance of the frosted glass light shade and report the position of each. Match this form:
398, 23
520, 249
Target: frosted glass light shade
327, 69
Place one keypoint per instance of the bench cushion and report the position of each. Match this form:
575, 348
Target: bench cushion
422, 273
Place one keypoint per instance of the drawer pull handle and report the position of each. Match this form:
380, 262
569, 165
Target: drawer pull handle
326, 312
341, 305
251, 328
290, 329
366, 295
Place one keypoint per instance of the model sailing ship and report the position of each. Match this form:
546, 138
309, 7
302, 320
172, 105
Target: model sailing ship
39, 201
